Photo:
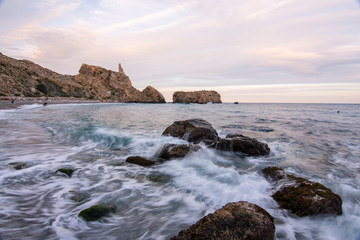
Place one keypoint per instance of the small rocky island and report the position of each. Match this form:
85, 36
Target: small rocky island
200, 97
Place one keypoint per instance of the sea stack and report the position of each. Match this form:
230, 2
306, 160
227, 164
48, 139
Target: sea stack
196, 97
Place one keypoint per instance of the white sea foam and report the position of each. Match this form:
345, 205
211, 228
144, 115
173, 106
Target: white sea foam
157, 202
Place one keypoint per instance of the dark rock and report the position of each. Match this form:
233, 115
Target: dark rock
302, 196
242, 144
240, 220
67, 171
193, 130
140, 161
18, 165
96, 212
169, 151
236, 102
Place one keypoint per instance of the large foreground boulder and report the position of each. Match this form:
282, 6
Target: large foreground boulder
240, 220
242, 144
302, 196
170, 151
193, 130
196, 97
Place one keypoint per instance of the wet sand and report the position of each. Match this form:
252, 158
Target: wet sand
8, 104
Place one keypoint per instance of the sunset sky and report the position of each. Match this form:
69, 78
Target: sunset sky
248, 51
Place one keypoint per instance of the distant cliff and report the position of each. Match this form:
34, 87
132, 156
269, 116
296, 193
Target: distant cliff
27, 79
196, 97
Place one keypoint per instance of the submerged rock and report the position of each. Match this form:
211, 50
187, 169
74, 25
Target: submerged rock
67, 171
140, 161
169, 151
302, 196
18, 165
196, 97
240, 220
193, 130
96, 212
159, 177
242, 144
79, 196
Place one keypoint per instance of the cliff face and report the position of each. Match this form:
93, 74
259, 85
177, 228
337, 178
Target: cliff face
27, 79
196, 97
100, 83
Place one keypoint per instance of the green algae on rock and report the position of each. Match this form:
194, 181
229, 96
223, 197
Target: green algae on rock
301, 196
67, 171
96, 212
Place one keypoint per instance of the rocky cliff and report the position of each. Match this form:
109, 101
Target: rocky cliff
196, 97
27, 79
100, 83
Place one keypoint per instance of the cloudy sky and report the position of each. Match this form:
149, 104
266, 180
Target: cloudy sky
249, 51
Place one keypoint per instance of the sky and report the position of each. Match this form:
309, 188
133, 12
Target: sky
248, 51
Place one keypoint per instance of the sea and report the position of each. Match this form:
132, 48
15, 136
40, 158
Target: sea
319, 142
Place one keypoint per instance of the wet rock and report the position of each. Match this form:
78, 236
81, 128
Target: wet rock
302, 196
79, 196
96, 212
240, 220
140, 161
67, 171
193, 130
236, 102
196, 97
170, 151
151, 95
242, 144
159, 177
18, 165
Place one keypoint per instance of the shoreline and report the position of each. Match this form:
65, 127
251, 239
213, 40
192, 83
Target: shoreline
7, 103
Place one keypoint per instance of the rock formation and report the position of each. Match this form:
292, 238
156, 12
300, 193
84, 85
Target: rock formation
27, 79
240, 220
199, 130
196, 97
100, 83
192, 130
242, 144
302, 196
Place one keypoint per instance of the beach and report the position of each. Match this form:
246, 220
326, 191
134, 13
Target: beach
15, 102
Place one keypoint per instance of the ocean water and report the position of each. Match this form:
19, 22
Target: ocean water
320, 142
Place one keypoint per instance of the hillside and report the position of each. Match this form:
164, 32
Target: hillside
27, 79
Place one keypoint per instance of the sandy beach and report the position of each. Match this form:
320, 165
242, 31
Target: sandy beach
15, 102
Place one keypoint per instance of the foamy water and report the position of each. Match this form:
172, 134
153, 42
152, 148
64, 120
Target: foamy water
308, 140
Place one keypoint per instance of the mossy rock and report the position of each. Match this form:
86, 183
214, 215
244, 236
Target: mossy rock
18, 165
140, 161
67, 171
301, 196
308, 198
96, 212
